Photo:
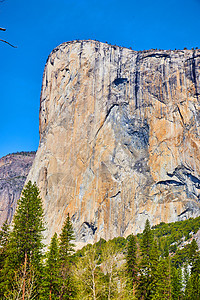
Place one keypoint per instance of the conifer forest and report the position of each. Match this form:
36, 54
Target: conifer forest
163, 262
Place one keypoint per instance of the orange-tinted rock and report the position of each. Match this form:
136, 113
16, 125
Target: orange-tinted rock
119, 138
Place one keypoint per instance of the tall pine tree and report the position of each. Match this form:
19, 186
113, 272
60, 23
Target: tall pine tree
132, 265
52, 278
176, 283
144, 286
25, 242
66, 259
192, 290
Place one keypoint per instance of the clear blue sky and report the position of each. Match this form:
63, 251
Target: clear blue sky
36, 27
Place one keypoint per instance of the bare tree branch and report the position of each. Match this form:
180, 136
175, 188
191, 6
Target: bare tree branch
4, 29
8, 43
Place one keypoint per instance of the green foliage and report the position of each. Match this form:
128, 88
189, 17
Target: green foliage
176, 231
22, 276
24, 247
161, 263
66, 251
193, 248
66, 238
147, 249
26, 236
131, 261
91, 282
193, 287
147, 240
52, 278
185, 254
110, 255
4, 235
180, 257
161, 280
176, 283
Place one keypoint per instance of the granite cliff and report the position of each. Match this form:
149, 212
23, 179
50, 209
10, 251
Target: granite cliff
14, 169
119, 138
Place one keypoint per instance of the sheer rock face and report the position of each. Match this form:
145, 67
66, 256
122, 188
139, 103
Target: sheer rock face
119, 138
14, 169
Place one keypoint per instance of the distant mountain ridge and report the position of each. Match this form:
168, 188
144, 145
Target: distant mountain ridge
14, 169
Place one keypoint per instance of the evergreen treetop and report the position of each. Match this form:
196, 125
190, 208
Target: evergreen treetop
147, 239
66, 239
28, 225
52, 278
24, 249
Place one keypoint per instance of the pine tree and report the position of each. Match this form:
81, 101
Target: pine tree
192, 291
66, 240
154, 274
144, 285
154, 270
160, 285
193, 250
131, 260
147, 239
4, 234
66, 258
176, 283
25, 242
52, 280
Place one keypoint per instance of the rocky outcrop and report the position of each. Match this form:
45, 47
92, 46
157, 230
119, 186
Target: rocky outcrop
14, 169
119, 138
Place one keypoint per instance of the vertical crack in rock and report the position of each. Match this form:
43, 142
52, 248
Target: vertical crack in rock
137, 78
194, 74
107, 115
180, 114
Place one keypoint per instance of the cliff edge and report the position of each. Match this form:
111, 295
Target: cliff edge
119, 138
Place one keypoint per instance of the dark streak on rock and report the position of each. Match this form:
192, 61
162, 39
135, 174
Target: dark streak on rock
194, 74
118, 81
180, 114
115, 194
193, 57
81, 50
91, 226
184, 174
137, 83
156, 55
169, 182
187, 209
108, 112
